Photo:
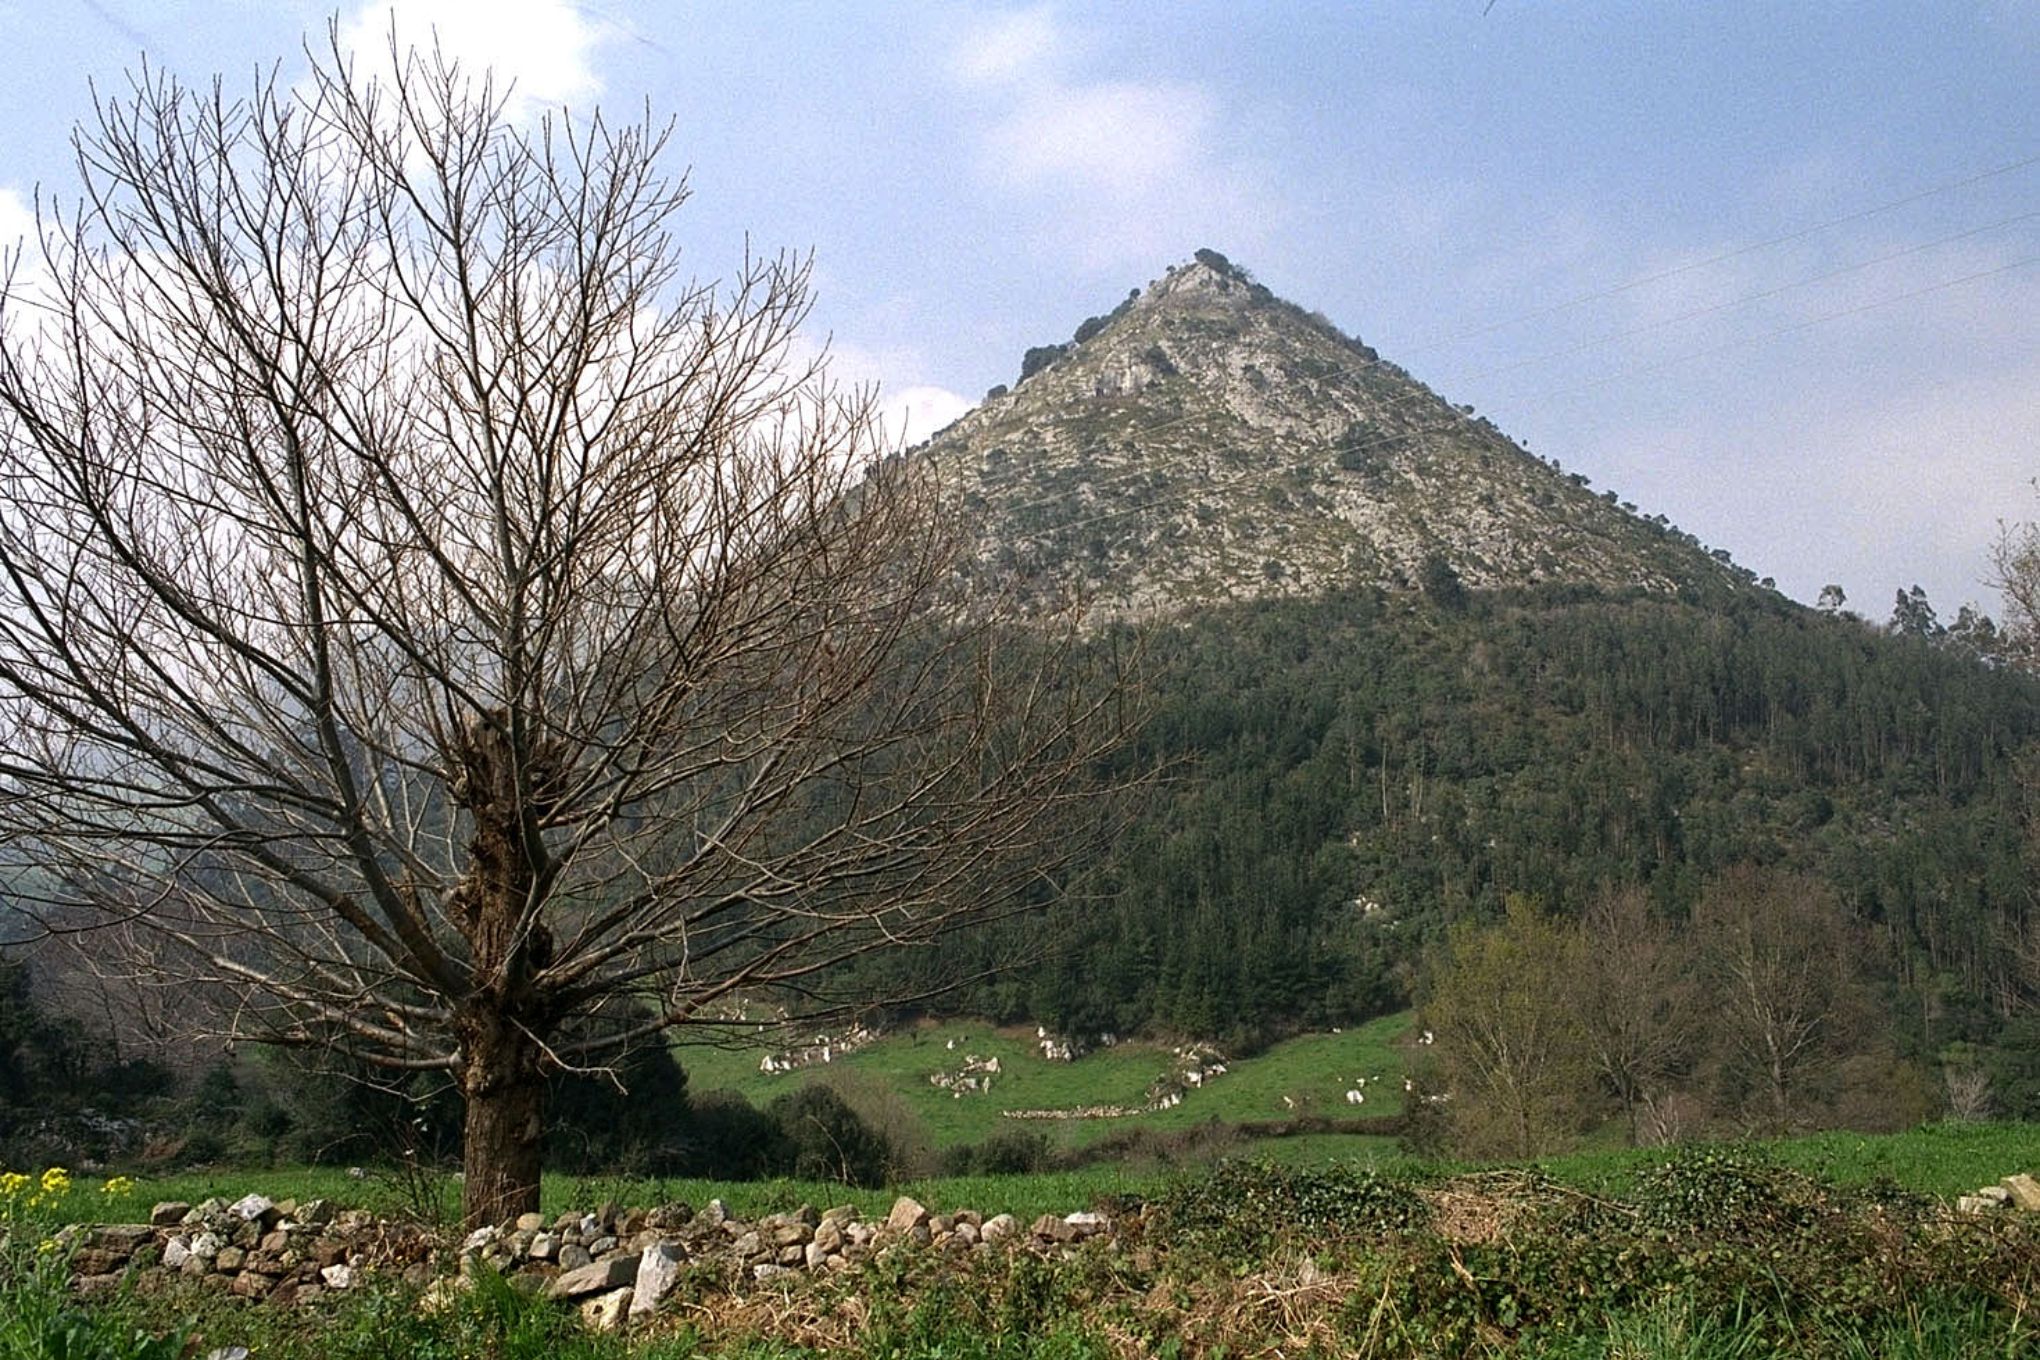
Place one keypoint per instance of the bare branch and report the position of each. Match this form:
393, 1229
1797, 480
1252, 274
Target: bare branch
428, 617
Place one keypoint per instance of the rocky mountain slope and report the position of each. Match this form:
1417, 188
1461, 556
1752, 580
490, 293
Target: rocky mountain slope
1208, 441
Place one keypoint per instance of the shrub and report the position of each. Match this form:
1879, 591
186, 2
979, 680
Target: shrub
1440, 583
1724, 1192
1039, 357
1241, 1208
826, 1141
725, 1137
1157, 359
1009, 1152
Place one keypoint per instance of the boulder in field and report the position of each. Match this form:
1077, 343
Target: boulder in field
255, 1209
606, 1312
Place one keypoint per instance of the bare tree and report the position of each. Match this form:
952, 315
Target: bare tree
428, 620
2015, 565
1636, 999
1789, 986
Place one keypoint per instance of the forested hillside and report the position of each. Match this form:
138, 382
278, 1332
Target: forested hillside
1353, 774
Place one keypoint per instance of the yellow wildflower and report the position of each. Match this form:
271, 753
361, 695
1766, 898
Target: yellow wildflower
12, 1183
119, 1185
56, 1181
48, 1244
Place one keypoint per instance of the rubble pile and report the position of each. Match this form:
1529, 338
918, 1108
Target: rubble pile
2019, 1193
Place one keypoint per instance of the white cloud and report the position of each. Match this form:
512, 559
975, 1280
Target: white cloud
910, 409
543, 48
1876, 448
1007, 47
1118, 138
1856, 405
912, 414
1115, 172
17, 219
19, 253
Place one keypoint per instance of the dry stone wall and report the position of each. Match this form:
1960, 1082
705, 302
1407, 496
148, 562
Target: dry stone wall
610, 1262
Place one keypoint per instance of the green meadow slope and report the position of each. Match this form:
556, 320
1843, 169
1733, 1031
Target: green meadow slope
1306, 1076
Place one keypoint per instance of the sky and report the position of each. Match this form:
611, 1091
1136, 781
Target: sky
1770, 269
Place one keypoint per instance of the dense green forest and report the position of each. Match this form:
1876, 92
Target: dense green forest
1351, 776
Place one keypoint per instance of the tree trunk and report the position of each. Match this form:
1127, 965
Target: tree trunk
505, 1122
500, 1024
1778, 1082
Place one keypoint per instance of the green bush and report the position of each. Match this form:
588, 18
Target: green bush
1240, 1209
1039, 357
824, 1140
1729, 1192
41, 1320
727, 1137
1009, 1152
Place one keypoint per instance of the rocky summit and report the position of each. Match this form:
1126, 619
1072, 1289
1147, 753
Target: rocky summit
1207, 441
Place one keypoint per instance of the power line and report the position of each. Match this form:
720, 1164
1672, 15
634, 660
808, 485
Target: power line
1761, 295
1798, 326
1738, 252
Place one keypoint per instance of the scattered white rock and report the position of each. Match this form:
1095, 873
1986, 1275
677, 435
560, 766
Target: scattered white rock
657, 1269
251, 1207
606, 1312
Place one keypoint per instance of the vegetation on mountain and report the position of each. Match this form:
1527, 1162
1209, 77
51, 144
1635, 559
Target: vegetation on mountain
1514, 1042
1763, 1009
1206, 441
1361, 773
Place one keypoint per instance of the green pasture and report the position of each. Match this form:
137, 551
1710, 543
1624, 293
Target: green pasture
1942, 1159
1313, 1071
1936, 1159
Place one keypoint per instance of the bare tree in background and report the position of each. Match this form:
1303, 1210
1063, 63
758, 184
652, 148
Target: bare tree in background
427, 620
1790, 983
2015, 564
1636, 997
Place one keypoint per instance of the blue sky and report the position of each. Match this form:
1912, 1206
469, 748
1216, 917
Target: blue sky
1771, 269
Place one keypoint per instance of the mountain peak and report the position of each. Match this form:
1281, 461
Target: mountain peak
1207, 441
1205, 272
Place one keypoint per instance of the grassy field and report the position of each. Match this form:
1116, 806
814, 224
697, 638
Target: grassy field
1938, 1159
1304, 1076
1312, 1071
